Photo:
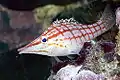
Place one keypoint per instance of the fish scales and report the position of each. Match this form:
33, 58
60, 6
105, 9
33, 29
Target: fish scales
67, 36
89, 32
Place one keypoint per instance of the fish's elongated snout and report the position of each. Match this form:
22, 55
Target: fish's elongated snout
34, 46
33, 50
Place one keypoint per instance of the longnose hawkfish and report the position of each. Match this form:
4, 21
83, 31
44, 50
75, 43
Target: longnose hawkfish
65, 37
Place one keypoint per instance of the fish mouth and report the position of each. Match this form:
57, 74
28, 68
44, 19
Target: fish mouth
21, 49
38, 51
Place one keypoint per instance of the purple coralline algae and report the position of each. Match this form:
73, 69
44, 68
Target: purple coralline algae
108, 46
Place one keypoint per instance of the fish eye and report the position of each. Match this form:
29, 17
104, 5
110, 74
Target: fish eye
44, 40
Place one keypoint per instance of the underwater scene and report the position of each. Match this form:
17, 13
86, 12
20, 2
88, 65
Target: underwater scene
60, 40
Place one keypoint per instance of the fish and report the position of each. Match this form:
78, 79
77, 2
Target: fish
67, 36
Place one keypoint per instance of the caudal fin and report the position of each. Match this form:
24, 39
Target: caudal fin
108, 17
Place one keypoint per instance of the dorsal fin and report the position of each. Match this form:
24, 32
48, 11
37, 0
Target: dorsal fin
65, 21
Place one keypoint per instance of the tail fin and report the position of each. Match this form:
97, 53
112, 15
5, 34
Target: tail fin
108, 17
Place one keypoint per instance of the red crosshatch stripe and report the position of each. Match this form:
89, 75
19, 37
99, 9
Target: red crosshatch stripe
54, 35
100, 27
91, 31
66, 31
58, 30
49, 30
86, 31
71, 32
73, 28
52, 30
74, 37
79, 25
94, 27
82, 33
79, 36
33, 43
59, 26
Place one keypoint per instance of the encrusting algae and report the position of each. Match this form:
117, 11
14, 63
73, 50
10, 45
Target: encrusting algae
45, 14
